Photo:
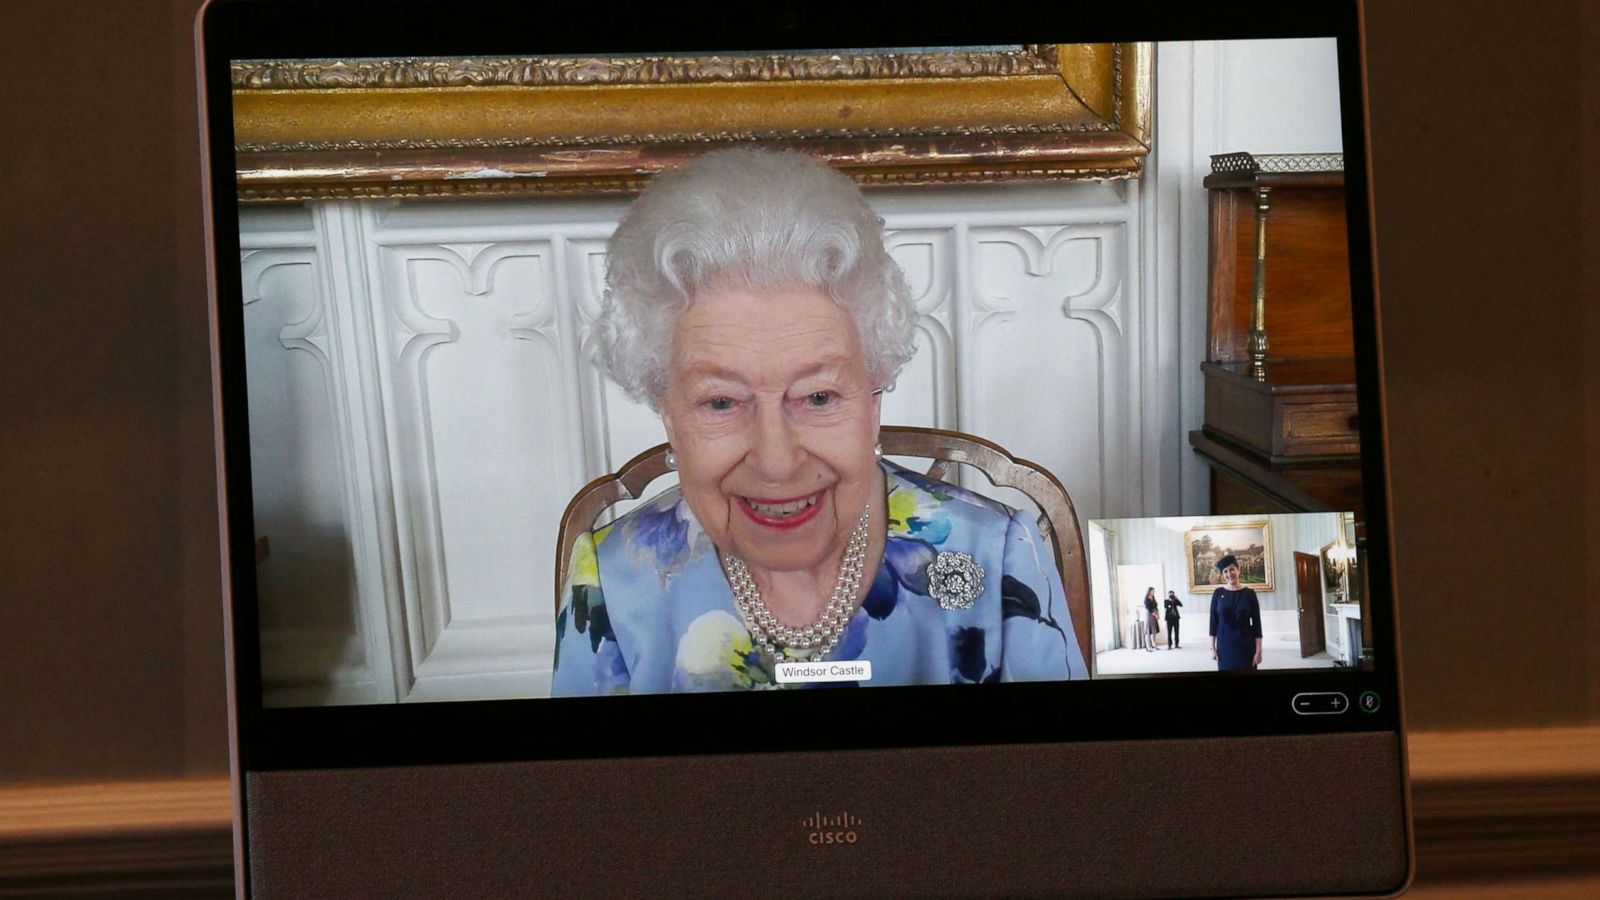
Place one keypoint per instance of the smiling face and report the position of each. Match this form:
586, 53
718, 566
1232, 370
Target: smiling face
1230, 576
773, 417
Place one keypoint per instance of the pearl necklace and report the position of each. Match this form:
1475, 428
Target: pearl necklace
815, 640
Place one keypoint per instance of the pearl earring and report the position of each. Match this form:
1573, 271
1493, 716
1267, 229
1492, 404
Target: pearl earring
877, 451
672, 460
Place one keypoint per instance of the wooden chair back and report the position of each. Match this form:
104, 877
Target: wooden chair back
1058, 521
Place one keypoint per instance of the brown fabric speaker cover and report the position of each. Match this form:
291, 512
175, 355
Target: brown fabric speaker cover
1238, 816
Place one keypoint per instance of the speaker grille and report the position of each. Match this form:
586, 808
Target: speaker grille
1237, 816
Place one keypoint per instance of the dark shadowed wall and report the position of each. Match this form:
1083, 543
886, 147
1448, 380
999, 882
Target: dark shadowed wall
110, 622
1478, 171
110, 625
1589, 297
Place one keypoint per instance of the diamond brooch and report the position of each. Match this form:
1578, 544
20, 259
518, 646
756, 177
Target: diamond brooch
955, 580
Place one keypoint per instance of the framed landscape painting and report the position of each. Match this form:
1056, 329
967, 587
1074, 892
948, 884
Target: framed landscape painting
1250, 542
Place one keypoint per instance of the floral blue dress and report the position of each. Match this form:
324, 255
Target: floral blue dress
649, 610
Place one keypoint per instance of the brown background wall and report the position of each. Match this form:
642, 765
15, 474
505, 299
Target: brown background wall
110, 622
1589, 160
1478, 171
110, 625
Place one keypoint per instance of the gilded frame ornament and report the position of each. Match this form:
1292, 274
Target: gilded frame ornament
403, 128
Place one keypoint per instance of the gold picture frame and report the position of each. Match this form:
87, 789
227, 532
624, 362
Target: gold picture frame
387, 128
1250, 541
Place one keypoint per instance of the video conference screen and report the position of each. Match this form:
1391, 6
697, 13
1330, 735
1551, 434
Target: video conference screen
803, 370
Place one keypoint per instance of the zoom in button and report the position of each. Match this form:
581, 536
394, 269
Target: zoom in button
1326, 703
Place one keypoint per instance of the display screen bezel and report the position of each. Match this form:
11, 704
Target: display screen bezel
1191, 705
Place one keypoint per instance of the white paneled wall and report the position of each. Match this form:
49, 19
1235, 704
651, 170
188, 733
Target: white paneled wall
424, 398
425, 401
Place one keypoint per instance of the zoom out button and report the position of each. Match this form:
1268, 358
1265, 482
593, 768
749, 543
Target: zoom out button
1322, 703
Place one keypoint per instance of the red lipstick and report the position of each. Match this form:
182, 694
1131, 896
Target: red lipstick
781, 523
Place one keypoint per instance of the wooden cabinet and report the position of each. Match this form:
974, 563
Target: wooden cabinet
1280, 432
1299, 409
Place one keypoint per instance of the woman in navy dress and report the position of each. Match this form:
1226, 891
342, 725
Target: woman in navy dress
1235, 621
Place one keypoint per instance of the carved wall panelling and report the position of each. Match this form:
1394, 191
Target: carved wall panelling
323, 640
523, 431
963, 212
583, 266
471, 320
615, 427
925, 392
1031, 287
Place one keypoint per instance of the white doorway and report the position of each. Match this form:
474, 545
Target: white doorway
1132, 582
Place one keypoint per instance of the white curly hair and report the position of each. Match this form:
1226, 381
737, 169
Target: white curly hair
751, 218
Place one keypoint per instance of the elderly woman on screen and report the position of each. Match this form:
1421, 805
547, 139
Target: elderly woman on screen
752, 304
